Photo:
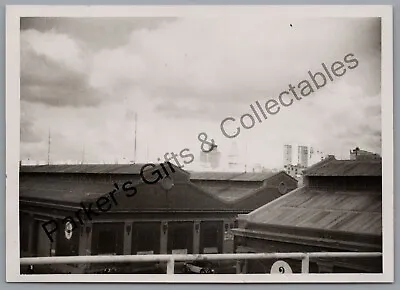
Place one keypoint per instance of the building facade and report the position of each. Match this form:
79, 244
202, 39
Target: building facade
302, 156
175, 215
339, 208
287, 155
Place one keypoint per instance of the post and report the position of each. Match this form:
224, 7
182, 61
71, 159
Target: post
171, 266
305, 264
238, 267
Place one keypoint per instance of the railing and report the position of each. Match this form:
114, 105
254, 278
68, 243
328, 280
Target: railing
171, 259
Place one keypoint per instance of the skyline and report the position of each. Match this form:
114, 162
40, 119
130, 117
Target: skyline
182, 77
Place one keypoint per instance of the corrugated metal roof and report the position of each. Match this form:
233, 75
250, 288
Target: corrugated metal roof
61, 190
182, 196
233, 176
135, 169
333, 167
87, 168
84, 168
357, 212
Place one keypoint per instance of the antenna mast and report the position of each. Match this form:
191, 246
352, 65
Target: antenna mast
245, 159
134, 154
48, 149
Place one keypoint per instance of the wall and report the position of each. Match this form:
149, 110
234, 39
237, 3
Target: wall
362, 183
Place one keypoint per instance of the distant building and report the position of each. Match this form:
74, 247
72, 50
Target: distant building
303, 156
295, 171
257, 167
203, 157
357, 154
210, 160
233, 156
287, 154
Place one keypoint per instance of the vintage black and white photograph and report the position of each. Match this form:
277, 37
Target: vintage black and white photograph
199, 146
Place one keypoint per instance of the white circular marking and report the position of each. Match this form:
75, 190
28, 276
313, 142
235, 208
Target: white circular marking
281, 267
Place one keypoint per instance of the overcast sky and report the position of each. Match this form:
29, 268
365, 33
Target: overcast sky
83, 79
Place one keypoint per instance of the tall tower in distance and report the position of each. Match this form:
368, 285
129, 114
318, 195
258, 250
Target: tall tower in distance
210, 159
303, 156
287, 154
233, 156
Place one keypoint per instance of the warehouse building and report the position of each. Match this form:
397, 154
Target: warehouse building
179, 214
339, 208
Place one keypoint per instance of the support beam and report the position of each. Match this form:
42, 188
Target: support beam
171, 266
305, 265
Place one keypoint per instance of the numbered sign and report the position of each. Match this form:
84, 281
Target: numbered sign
68, 230
281, 267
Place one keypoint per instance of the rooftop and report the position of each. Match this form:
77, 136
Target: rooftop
334, 167
343, 211
87, 168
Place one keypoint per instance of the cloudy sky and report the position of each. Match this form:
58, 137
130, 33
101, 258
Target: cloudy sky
83, 80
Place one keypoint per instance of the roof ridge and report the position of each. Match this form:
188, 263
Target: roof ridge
320, 164
202, 190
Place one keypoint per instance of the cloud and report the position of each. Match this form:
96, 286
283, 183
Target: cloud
54, 71
27, 133
95, 32
217, 59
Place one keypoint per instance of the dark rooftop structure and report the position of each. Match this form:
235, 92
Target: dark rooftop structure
332, 167
85, 168
339, 208
174, 214
76, 183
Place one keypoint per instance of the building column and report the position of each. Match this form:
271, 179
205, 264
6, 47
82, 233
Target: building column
31, 251
164, 237
227, 243
85, 240
128, 238
196, 237
85, 246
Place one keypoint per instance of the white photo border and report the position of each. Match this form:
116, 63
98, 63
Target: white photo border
15, 12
